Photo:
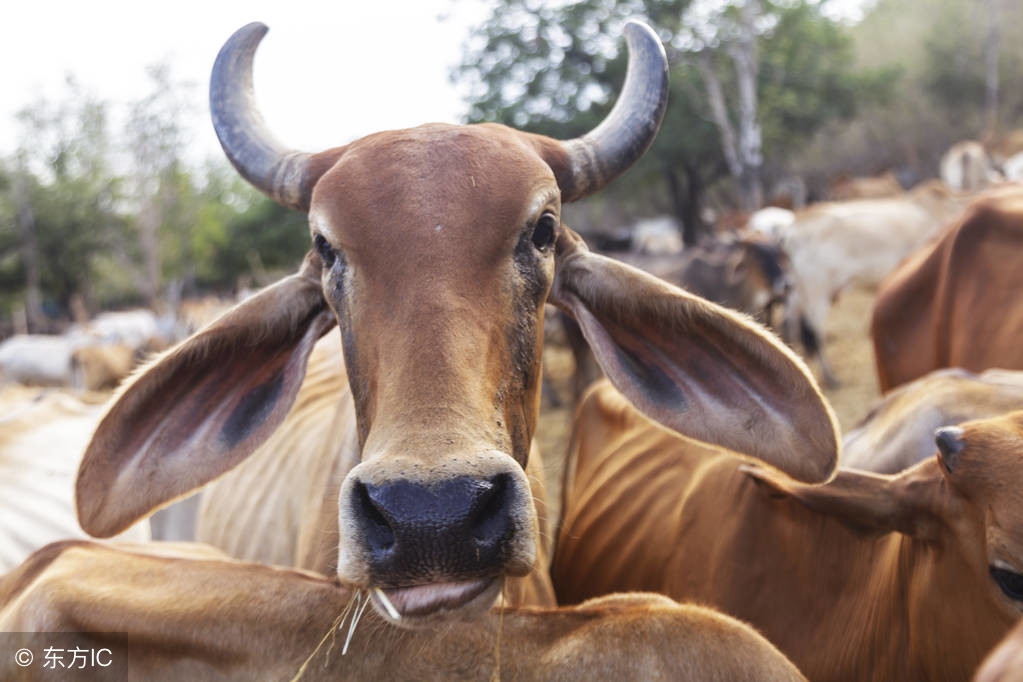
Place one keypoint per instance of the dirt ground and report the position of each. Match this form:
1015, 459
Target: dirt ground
848, 350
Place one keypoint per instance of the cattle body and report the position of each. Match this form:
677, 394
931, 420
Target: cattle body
38, 359
854, 243
238, 621
434, 251
899, 430
866, 577
42, 436
966, 167
876, 187
954, 303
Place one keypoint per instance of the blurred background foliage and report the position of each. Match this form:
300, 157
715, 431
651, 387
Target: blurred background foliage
105, 208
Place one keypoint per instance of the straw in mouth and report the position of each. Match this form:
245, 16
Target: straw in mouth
421, 600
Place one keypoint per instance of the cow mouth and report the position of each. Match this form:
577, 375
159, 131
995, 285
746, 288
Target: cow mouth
427, 601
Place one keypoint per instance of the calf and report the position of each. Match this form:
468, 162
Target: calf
866, 577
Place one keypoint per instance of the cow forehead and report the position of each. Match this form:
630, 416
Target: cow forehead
478, 182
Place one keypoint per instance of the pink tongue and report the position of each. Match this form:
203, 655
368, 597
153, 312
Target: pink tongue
411, 601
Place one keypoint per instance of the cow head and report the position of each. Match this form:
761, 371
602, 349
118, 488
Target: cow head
435, 250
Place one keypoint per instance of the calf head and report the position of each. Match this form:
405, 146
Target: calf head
435, 250
967, 503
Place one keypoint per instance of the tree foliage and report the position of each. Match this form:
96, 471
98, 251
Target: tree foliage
81, 197
553, 69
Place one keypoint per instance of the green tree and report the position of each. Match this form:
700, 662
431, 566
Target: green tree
62, 190
241, 235
553, 69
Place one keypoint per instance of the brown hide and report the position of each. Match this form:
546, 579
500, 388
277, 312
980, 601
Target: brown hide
279, 507
861, 578
954, 304
203, 618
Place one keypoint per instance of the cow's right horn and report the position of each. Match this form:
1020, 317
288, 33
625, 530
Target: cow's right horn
280, 173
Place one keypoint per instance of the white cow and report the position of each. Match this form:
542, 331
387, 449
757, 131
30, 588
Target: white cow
837, 244
966, 167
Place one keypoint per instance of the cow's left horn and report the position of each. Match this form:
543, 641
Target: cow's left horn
280, 173
609, 150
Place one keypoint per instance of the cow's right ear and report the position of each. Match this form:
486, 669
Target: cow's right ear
699, 369
204, 406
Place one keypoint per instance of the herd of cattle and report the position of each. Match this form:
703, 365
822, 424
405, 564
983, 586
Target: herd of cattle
369, 501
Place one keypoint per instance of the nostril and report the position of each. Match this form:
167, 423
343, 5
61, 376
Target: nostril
379, 533
489, 521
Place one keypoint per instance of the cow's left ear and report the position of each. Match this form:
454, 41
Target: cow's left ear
695, 367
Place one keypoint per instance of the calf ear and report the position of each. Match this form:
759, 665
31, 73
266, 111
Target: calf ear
909, 503
695, 367
203, 406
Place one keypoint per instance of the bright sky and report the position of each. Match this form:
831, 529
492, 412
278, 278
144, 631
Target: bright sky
326, 73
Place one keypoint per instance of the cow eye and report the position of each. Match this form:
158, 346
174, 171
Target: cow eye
1010, 582
545, 231
326, 251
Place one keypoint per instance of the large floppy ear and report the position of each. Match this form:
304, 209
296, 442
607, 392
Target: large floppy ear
702, 370
202, 407
910, 502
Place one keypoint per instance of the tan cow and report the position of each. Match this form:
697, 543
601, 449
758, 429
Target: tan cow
899, 430
847, 187
867, 577
954, 304
203, 618
435, 250
42, 436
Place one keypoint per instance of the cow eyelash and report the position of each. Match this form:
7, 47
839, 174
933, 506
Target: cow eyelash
327, 253
545, 231
1010, 582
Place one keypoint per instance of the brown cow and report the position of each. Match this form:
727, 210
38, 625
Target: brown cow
435, 250
899, 430
206, 618
867, 577
954, 304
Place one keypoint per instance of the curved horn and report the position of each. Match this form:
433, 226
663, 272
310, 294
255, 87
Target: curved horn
612, 147
280, 173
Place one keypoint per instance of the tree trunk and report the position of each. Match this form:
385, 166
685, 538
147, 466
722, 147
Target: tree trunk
742, 148
29, 255
751, 158
991, 49
687, 200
